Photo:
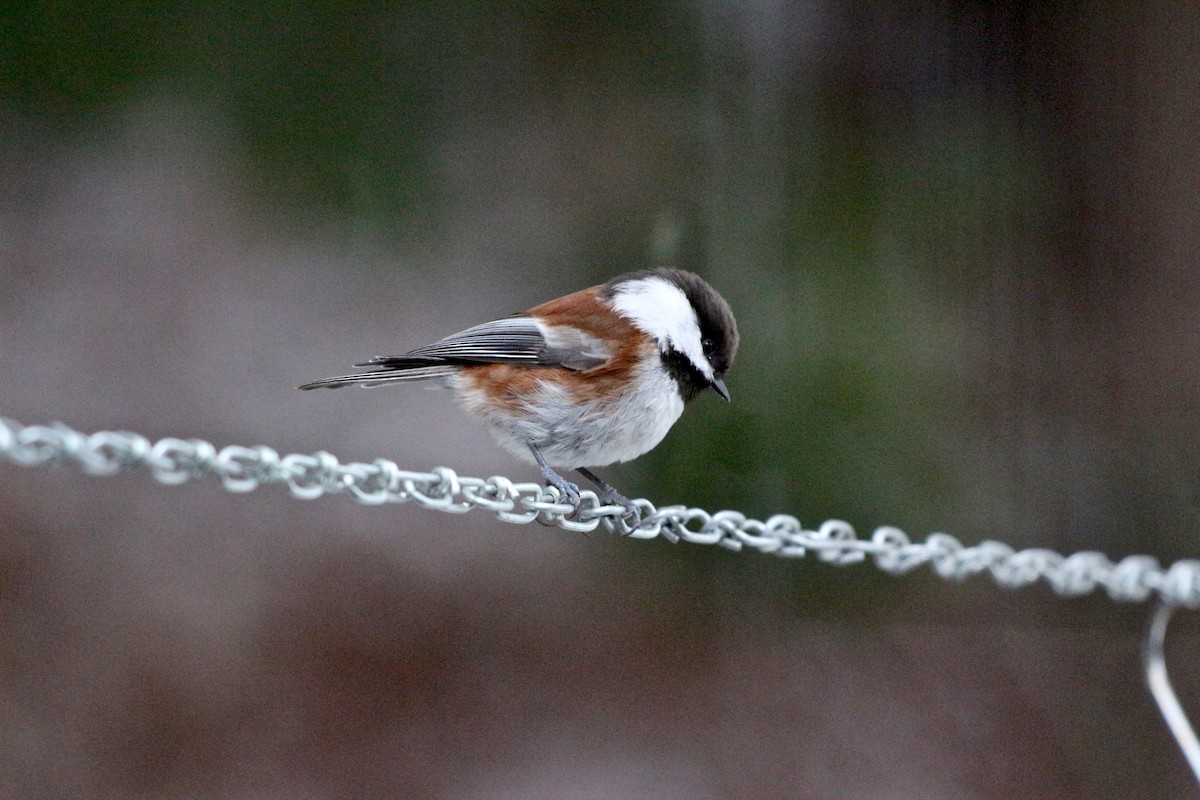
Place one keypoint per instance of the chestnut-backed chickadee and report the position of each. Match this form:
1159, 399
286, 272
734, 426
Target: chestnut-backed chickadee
592, 378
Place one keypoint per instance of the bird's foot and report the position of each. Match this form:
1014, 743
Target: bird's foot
608, 496
611, 497
567, 492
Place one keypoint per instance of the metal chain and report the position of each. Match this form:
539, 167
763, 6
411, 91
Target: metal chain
242, 469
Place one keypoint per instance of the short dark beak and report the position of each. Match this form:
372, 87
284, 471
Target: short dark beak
718, 385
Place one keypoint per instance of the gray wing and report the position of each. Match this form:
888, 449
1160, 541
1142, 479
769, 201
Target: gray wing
513, 340
504, 340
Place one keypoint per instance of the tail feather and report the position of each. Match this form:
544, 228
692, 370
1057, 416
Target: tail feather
383, 377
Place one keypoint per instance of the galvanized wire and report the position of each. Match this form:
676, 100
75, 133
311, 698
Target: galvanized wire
172, 461
1159, 684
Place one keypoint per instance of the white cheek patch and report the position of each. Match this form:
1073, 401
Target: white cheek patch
662, 310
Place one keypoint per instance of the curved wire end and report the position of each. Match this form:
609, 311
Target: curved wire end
1159, 684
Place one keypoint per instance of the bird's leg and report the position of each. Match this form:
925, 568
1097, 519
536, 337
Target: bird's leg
568, 491
611, 497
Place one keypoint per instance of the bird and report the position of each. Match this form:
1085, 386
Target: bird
592, 378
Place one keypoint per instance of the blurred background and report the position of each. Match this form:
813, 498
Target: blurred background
959, 240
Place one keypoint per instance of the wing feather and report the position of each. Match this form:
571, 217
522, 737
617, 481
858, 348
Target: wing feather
518, 339
383, 377
512, 340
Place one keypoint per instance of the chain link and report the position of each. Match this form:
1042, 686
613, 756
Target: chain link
242, 469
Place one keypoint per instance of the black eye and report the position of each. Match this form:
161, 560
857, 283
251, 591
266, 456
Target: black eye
707, 346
